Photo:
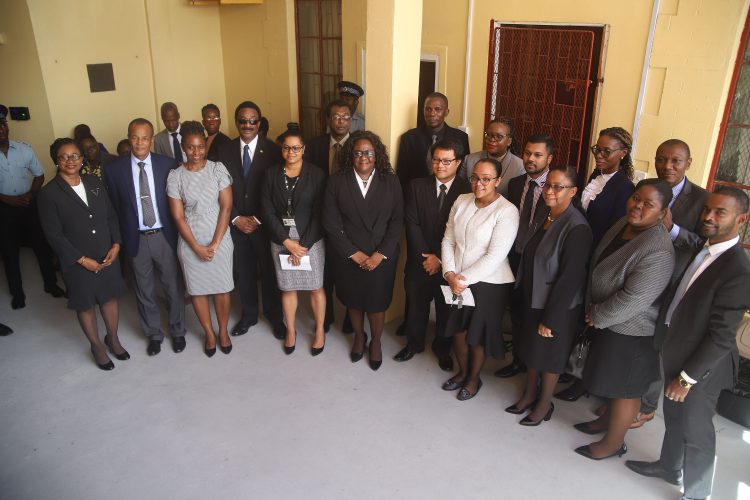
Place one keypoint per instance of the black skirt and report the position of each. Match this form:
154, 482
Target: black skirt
548, 354
620, 366
87, 289
483, 322
368, 291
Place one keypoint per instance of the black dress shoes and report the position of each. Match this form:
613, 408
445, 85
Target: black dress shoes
445, 363
54, 290
154, 347
586, 452
511, 370
357, 355
18, 302
526, 421
243, 326
178, 344
317, 350
587, 428
465, 395
404, 355
573, 392
515, 410
109, 365
226, 349
123, 356
655, 469
452, 384
5, 330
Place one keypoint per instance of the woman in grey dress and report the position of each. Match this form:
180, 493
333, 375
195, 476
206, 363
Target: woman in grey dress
200, 199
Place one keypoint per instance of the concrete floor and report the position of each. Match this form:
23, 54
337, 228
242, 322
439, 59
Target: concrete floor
259, 424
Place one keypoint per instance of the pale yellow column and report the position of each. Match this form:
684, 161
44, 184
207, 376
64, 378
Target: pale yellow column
393, 46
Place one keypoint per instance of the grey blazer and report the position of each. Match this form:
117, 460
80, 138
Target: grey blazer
624, 288
163, 144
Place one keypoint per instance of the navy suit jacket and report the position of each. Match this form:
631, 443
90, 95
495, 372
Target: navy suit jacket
609, 206
118, 176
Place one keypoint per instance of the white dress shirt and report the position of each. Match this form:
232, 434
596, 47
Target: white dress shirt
80, 190
594, 189
447, 185
364, 186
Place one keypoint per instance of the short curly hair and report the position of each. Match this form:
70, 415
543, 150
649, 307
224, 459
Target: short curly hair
62, 141
382, 163
192, 128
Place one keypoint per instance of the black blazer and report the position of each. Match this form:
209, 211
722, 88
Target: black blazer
316, 152
370, 224
246, 193
307, 202
118, 176
515, 191
413, 148
219, 141
701, 336
74, 229
686, 213
609, 205
425, 226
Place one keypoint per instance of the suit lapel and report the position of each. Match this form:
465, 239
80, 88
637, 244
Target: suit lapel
683, 199
362, 204
65, 187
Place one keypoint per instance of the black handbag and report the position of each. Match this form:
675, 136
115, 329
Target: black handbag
579, 353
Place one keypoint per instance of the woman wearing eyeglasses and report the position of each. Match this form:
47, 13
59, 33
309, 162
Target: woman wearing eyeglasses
82, 227
551, 277
498, 141
291, 200
481, 229
363, 216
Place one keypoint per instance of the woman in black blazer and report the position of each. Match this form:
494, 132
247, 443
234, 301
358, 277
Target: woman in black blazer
551, 277
291, 200
363, 217
81, 226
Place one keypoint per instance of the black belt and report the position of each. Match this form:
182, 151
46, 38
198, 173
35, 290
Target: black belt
151, 231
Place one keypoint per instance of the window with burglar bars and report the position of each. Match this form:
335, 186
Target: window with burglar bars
731, 165
318, 24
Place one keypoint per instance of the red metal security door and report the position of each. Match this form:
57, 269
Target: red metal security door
542, 78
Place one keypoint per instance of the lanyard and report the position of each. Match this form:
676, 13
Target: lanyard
289, 192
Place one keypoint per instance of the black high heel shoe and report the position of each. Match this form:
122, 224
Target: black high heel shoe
109, 365
573, 392
517, 411
530, 423
288, 349
317, 350
356, 356
586, 428
209, 352
123, 356
225, 349
586, 452
374, 365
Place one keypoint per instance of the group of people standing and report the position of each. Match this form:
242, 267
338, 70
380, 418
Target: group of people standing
654, 273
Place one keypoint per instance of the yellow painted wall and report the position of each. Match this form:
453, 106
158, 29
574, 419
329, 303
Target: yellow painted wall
444, 35
260, 60
695, 48
353, 36
22, 83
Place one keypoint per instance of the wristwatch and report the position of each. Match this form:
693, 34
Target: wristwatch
684, 383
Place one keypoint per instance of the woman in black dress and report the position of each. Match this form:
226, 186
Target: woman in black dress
363, 216
81, 226
551, 276
630, 269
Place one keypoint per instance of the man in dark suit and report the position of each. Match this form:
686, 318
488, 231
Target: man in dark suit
247, 158
168, 141
683, 220
414, 149
428, 204
216, 139
323, 151
137, 186
696, 334
525, 192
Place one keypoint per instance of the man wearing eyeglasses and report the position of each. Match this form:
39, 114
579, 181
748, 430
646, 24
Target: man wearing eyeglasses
168, 141
498, 138
414, 159
428, 204
525, 192
215, 140
21, 178
323, 151
247, 158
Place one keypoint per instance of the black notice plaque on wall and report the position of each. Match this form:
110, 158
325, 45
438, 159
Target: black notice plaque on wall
101, 77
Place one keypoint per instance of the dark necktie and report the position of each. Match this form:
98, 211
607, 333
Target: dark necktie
147, 205
246, 161
177, 148
441, 196
525, 219
429, 156
335, 159
683, 286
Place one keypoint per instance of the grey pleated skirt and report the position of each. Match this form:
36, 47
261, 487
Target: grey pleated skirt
300, 280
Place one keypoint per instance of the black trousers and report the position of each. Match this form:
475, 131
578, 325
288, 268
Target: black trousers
419, 293
20, 226
252, 256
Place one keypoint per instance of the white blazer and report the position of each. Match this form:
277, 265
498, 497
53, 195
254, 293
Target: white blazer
477, 240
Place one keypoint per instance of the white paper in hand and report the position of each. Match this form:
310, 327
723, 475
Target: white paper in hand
467, 298
304, 263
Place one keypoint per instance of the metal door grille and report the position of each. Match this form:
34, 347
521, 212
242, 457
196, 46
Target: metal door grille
540, 77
